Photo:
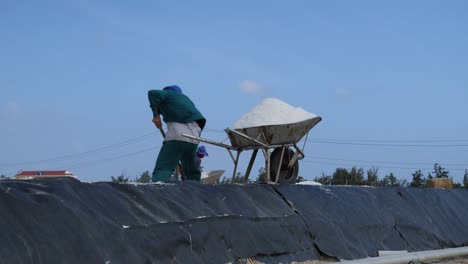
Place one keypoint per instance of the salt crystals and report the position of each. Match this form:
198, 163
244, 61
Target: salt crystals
272, 111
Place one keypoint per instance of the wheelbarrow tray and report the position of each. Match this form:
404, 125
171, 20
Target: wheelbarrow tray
271, 135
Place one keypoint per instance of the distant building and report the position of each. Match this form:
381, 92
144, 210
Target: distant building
43, 174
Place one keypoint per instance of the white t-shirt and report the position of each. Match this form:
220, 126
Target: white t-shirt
175, 131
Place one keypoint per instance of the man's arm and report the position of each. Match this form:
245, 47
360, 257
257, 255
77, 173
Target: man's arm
155, 97
157, 121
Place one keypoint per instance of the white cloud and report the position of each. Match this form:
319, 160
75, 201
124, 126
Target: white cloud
251, 87
343, 92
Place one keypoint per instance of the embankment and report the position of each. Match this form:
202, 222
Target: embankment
67, 221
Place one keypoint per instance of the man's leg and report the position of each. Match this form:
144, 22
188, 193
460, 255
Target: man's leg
167, 161
189, 162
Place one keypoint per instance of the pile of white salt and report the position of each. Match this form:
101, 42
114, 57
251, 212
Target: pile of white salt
272, 111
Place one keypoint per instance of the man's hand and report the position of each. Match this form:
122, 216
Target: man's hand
157, 121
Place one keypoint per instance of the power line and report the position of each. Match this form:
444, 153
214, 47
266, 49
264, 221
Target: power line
89, 152
81, 154
367, 140
387, 145
367, 161
324, 141
389, 162
384, 143
214, 130
394, 141
111, 159
367, 166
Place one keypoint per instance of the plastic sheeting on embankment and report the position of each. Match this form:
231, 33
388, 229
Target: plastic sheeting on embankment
356, 222
66, 221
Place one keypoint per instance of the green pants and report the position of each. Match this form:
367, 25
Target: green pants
169, 156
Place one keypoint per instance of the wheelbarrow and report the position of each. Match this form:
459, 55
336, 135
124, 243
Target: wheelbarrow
278, 144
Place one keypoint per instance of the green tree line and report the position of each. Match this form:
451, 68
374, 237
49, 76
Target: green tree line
341, 176
370, 177
144, 177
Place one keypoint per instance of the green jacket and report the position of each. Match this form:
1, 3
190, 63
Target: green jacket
174, 107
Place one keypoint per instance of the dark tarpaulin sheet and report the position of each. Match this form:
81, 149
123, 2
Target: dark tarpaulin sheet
66, 221
356, 222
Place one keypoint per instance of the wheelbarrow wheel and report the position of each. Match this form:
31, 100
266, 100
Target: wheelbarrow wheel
286, 175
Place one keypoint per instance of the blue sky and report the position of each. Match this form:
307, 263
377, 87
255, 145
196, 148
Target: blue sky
74, 77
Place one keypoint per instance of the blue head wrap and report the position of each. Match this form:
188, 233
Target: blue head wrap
174, 88
202, 150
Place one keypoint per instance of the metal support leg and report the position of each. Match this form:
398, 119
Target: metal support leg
293, 159
301, 153
235, 165
251, 162
232, 156
267, 165
279, 165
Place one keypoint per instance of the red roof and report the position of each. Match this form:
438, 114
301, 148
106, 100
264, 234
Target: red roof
44, 173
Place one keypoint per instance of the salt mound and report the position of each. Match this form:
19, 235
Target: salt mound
309, 183
272, 112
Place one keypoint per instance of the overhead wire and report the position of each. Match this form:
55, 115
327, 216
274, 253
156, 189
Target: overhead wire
370, 166
388, 162
81, 154
395, 141
112, 158
325, 141
387, 145
371, 142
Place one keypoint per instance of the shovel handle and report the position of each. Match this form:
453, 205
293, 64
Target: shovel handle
162, 132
